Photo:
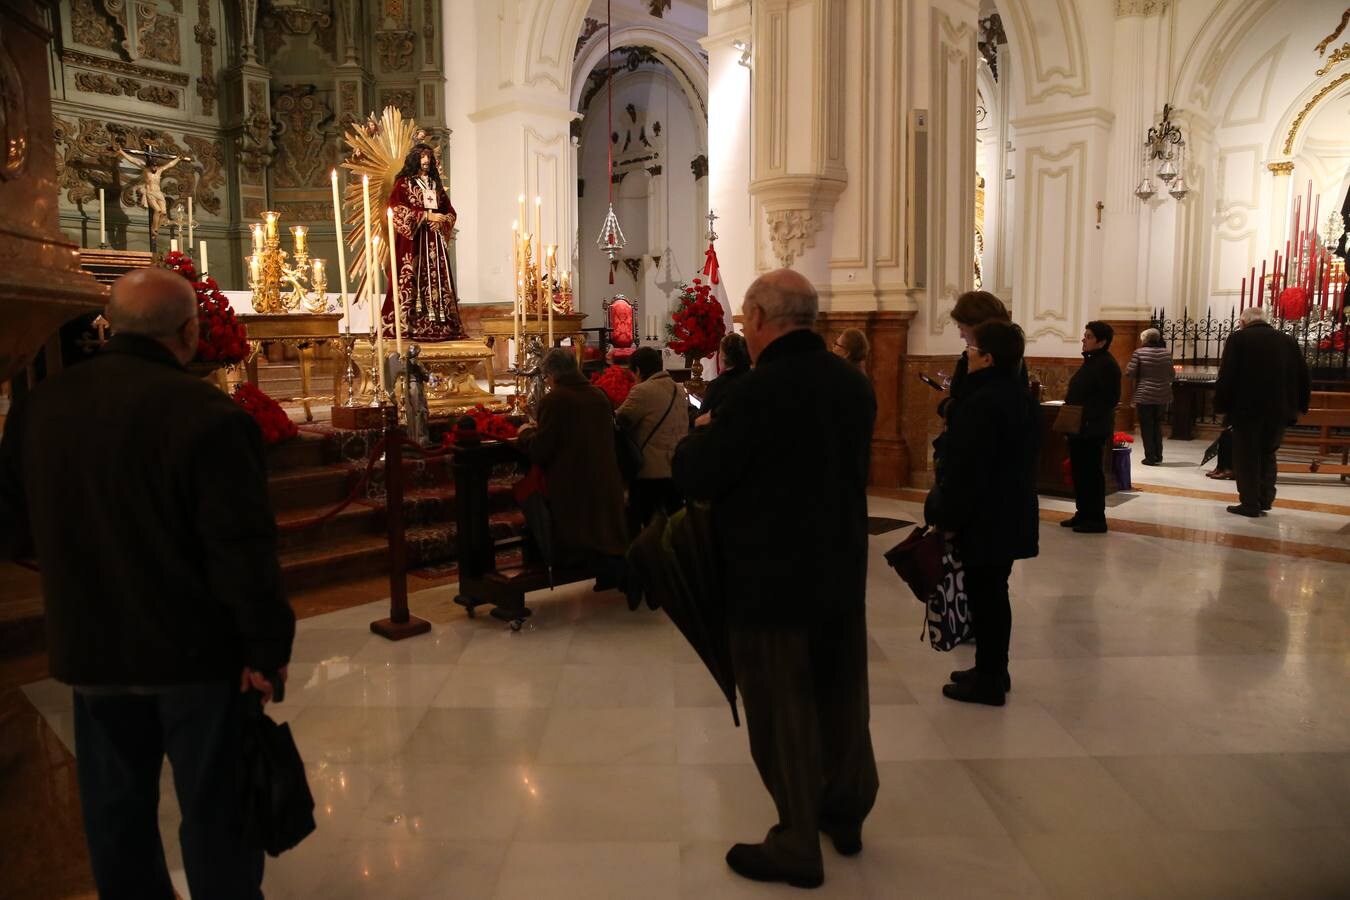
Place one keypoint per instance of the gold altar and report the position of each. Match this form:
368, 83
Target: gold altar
451, 365
565, 325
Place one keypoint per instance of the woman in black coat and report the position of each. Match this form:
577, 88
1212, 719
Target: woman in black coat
1096, 388
735, 366
985, 498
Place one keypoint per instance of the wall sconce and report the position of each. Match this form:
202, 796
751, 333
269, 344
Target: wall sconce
744, 49
1158, 146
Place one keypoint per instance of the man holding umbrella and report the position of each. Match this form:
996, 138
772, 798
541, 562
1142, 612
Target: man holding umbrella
784, 464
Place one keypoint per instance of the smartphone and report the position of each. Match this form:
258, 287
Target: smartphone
930, 382
696, 402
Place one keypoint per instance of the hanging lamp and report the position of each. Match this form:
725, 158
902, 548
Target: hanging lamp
611, 239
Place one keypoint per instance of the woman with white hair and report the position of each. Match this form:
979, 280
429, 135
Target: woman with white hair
1151, 367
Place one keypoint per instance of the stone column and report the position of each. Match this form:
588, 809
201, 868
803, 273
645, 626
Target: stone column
248, 123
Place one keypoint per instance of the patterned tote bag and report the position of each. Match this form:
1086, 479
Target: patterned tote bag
947, 620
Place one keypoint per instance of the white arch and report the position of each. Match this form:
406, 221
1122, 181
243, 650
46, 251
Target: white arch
689, 69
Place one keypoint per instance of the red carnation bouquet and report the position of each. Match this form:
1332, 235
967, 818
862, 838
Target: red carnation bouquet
223, 338
1122, 439
1293, 303
271, 418
699, 323
616, 382
487, 424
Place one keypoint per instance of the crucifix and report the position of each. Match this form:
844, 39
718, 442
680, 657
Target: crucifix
712, 217
153, 164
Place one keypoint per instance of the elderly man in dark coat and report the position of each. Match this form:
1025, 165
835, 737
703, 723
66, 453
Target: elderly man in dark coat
784, 463
1262, 388
574, 444
144, 493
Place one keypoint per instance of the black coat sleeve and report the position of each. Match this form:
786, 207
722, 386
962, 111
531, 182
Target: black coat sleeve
240, 538
971, 436
710, 461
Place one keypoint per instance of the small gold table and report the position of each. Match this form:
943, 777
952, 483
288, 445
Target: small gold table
299, 330
503, 327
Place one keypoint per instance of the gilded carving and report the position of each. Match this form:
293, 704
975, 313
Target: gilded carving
305, 211
301, 156
254, 144
1326, 41
1284, 167
96, 83
76, 58
84, 159
299, 20
792, 231
205, 35
1339, 55
658, 7
429, 32
402, 99
396, 50
157, 35
90, 26
1303, 113
210, 156
588, 28
429, 101
1140, 8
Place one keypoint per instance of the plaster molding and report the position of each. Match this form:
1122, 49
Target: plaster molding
1266, 65
1053, 264
1091, 117
1140, 8
530, 107
793, 231
1052, 48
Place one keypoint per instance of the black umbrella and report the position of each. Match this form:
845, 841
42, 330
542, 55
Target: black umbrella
532, 494
676, 564
1213, 449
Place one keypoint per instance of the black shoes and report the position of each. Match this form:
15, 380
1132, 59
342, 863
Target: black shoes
750, 861
1089, 527
960, 676
1069, 522
975, 691
847, 839
1152, 462
1247, 511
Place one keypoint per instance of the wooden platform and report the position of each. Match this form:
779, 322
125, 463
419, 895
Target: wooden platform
109, 265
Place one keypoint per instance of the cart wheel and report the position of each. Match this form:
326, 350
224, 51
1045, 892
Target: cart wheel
516, 623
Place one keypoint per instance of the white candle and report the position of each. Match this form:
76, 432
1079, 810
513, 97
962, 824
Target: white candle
205, 265
173, 245
102, 219
515, 277
301, 245
393, 286
342, 254
318, 270
377, 313
254, 270
271, 225
539, 252
548, 294
189, 243
370, 243
257, 237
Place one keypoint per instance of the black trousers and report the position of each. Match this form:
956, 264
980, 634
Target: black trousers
991, 618
806, 709
1150, 429
1089, 480
646, 496
1254, 468
120, 744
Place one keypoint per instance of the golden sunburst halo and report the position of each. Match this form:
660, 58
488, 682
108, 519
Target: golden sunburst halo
376, 150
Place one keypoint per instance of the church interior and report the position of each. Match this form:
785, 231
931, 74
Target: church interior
589, 171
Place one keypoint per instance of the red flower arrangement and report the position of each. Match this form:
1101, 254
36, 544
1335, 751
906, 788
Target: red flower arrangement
699, 323
1121, 439
271, 418
616, 382
223, 338
1335, 341
487, 424
1293, 303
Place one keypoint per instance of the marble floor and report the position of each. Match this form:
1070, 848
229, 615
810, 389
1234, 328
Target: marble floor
1179, 727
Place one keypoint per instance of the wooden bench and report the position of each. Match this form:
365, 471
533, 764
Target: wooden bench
1325, 451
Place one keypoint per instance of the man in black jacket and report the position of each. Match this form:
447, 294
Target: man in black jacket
1263, 386
785, 464
986, 499
1096, 388
142, 491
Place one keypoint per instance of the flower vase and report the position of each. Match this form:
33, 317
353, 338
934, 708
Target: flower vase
695, 385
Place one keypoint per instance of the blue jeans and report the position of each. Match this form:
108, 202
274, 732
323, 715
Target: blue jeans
120, 743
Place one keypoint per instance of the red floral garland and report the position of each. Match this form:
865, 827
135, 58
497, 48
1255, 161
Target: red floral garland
487, 424
223, 339
616, 382
271, 418
699, 323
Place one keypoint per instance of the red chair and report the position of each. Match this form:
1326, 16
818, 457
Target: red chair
620, 334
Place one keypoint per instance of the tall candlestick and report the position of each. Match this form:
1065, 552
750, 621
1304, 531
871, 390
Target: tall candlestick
539, 235
206, 266
1256, 295
102, 219
342, 253
521, 200
189, 243
548, 293
377, 303
515, 281
365, 220
393, 286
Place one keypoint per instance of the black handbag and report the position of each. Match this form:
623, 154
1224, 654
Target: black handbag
278, 806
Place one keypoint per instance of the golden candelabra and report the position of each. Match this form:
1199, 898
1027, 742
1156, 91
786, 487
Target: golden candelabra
305, 281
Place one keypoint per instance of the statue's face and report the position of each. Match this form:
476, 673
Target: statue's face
426, 163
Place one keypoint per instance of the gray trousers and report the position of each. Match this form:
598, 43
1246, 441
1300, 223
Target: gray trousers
806, 710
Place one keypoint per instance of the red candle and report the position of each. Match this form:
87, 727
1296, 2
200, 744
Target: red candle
1242, 298
1297, 231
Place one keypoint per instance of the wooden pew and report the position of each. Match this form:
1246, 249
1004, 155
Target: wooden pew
1325, 451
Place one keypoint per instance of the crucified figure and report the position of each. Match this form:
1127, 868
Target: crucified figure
152, 165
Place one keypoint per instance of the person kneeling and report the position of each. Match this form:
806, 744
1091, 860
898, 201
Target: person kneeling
985, 500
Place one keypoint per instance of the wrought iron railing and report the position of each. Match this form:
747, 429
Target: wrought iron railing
1323, 336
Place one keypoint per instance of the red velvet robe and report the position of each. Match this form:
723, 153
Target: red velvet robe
426, 286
